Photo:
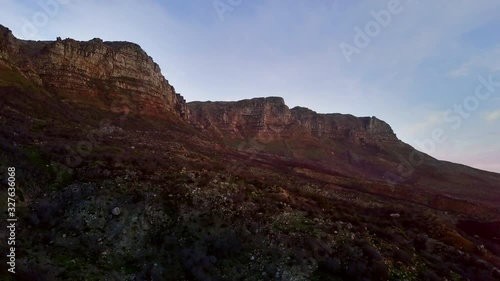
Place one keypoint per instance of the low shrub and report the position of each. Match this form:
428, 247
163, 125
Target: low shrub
402, 256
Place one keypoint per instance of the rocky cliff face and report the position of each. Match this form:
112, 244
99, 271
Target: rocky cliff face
104, 74
264, 117
119, 75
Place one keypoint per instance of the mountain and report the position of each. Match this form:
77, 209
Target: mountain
118, 178
364, 147
271, 117
100, 74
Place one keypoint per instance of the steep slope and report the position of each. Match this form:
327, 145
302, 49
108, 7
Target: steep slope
363, 147
140, 189
120, 77
109, 75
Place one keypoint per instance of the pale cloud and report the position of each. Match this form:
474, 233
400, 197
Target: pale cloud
434, 120
487, 60
439, 26
459, 72
492, 116
485, 159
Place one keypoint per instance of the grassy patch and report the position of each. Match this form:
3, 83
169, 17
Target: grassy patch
10, 77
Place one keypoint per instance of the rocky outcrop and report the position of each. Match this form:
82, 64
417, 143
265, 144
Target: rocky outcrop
243, 118
263, 117
120, 76
104, 74
7, 42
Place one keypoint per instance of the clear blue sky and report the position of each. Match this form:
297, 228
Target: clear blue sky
418, 65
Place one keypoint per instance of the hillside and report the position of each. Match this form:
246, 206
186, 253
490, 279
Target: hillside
120, 179
361, 147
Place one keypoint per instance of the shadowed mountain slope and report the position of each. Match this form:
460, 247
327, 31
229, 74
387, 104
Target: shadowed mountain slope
118, 178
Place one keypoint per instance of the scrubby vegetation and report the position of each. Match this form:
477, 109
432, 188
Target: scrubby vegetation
151, 200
